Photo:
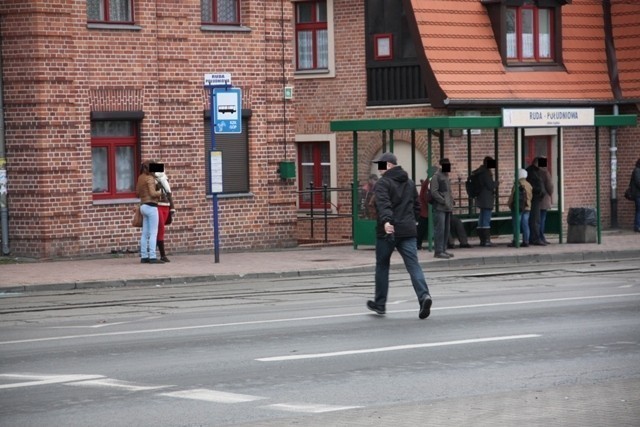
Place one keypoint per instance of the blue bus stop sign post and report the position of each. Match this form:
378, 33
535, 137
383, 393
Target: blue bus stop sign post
226, 117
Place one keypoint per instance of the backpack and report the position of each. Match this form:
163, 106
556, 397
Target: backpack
522, 199
429, 197
473, 185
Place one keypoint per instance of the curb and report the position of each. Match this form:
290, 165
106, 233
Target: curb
539, 259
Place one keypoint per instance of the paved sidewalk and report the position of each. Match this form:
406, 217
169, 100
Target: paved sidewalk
126, 270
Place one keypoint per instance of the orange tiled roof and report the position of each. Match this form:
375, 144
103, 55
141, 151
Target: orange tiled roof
462, 52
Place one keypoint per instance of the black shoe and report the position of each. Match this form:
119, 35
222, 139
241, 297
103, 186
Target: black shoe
465, 245
374, 307
144, 260
155, 261
165, 259
538, 244
425, 308
441, 255
524, 245
448, 254
451, 246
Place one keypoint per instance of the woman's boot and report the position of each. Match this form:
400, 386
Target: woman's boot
482, 236
487, 237
163, 255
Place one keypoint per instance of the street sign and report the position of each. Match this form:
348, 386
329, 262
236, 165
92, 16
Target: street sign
547, 117
217, 79
227, 109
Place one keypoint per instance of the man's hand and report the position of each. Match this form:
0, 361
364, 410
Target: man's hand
388, 228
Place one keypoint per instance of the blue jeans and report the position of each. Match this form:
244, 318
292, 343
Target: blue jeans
524, 226
636, 223
484, 220
407, 248
149, 231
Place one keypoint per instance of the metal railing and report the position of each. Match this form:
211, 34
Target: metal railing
327, 210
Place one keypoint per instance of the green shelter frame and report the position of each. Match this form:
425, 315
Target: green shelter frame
362, 230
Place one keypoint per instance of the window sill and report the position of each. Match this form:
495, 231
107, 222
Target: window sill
534, 67
103, 202
227, 28
126, 27
232, 195
314, 74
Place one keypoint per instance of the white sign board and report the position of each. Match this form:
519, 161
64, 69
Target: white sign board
216, 171
547, 117
217, 79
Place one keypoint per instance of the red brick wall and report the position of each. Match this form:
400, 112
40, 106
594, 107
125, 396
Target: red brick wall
56, 71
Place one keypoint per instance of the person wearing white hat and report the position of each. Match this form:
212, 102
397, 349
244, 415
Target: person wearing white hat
525, 194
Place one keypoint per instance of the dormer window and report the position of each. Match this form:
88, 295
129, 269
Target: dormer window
528, 32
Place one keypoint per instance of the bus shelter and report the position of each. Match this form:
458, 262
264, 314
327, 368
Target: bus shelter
363, 229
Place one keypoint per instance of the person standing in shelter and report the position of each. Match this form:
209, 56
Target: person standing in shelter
522, 189
545, 203
634, 188
398, 209
442, 208
423, 220
486, 189
149, 197
367, 206
457, 232
534, 178
166, 211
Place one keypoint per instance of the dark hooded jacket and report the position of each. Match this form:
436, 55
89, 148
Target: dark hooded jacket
397, 202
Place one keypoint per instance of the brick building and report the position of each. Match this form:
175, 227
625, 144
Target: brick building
93, 87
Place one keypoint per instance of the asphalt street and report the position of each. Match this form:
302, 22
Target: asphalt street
551, 345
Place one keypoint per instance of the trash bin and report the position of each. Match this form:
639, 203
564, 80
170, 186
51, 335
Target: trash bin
582, 225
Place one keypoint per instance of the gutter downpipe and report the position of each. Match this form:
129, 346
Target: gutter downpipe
613, 150
4, 210
614, 79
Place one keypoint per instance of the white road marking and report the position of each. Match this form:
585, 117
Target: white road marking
111, 383
44, 379
308, 408
395, 348
301, 319
101, 325
212, 396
